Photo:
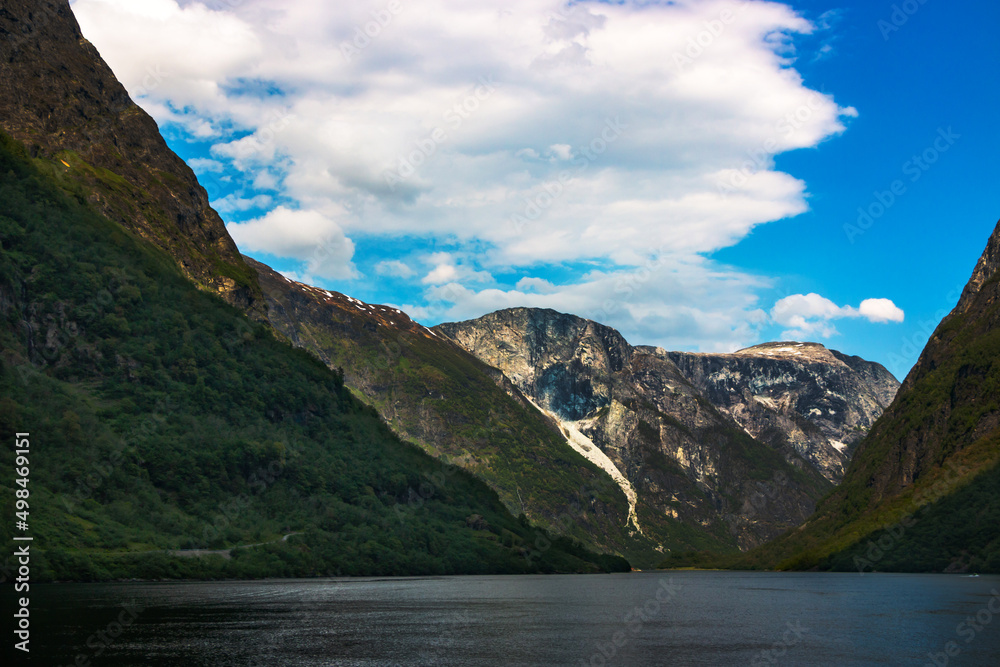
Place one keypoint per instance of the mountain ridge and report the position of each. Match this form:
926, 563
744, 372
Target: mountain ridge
696, 465
62, 101
434, 393
800, 397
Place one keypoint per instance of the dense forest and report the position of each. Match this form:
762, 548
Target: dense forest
921, 540
161, 419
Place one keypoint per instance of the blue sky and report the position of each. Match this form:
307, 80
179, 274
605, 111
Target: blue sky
938, 70
690, 173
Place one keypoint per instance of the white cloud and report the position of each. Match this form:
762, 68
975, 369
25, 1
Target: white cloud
309, 236
205, 165
810, 315
448, 268
442, 273
562, 151
394, 268
880, 310
234, 204
538, 285
540, 134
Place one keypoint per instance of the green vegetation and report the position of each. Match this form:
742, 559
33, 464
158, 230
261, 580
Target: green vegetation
162, 419
921, 492
927, 542
447, 401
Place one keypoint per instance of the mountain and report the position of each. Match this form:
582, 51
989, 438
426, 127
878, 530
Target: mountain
170, 435
62, 101
922, 492
82, 130
799, 398
452, 400
433, 393
677, 456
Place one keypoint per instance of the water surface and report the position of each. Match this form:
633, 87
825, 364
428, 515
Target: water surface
675, 618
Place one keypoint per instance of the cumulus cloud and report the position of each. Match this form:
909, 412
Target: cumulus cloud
447, 268
234, 204
309, 236
527, 134
880, 310
539, 285
394, 268
810, 315
442, 273
205, 165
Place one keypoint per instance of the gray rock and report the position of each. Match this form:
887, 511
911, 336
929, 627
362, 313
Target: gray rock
793, 396
736, 447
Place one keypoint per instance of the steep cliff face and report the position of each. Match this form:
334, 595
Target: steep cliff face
62, 101
958, 369
796, 397
974, 296
434, 393
686, 460
929, 462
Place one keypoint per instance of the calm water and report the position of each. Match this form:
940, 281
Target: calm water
680, 618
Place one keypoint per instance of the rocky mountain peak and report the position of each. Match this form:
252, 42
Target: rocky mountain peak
790, 350
985, 271
804, 396
677, 456
561, 360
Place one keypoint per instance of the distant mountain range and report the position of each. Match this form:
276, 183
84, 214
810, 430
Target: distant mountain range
579, 453
796, 397
678, 437
555, 438
435, 394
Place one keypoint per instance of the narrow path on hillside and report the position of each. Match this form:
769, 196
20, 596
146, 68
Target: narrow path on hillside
225, 553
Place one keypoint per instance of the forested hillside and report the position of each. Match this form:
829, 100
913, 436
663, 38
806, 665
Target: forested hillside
162, 419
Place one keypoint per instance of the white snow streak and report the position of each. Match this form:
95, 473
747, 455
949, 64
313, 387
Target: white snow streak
585, 446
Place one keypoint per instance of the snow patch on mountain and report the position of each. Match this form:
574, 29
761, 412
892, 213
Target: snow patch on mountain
586, 447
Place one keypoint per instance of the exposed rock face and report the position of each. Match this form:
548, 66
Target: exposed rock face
796, 397
434, 393
986, 270
62, 101
686, 460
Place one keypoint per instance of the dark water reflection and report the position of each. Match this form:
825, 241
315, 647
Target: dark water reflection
679, 618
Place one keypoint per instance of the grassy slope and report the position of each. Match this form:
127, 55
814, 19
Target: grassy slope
942, 431
162, 419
